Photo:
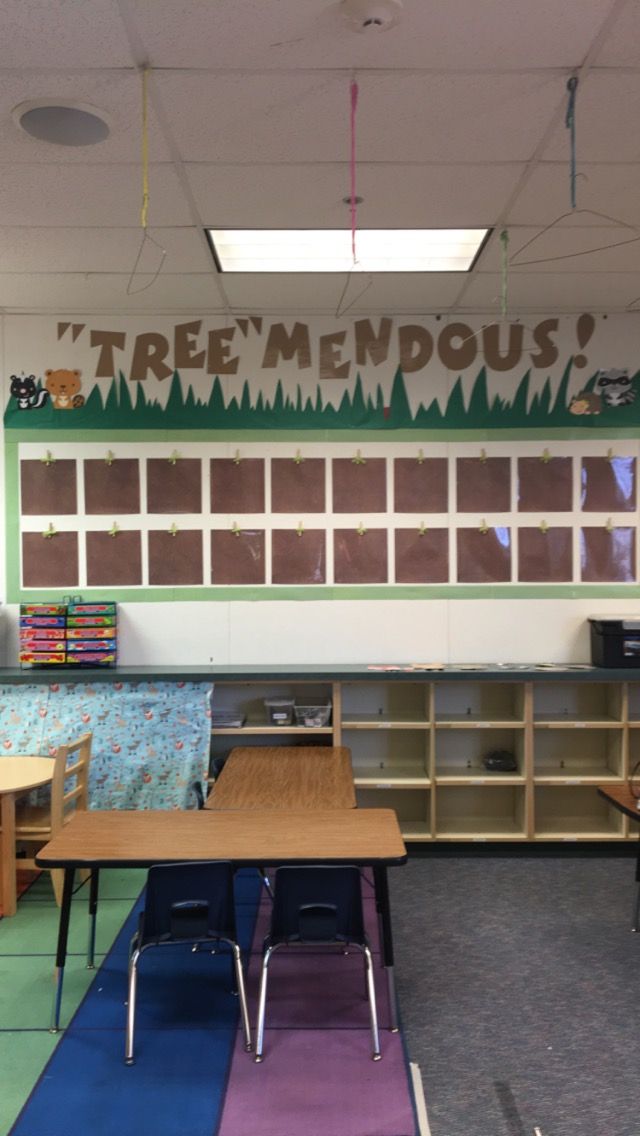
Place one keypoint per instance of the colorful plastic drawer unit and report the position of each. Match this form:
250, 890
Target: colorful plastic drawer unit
83, 634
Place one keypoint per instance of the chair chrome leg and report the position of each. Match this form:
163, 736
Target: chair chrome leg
267, 882
262, 1001
131, 1007
636, 911
373, 1013
244, 1013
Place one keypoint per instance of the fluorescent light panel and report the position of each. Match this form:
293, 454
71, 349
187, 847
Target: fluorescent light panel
329, 250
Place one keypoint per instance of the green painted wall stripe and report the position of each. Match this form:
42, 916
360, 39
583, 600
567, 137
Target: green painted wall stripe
549, 434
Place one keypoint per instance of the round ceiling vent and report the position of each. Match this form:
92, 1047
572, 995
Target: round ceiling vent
371, 15
62, 123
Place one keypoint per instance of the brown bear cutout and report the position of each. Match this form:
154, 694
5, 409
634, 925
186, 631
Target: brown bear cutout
63, 387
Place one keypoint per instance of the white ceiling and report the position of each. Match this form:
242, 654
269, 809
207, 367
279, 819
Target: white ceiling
460, 122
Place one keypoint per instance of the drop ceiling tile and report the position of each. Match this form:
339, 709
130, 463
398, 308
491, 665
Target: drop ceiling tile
74, 196
386, 294
606, 117
107, 292
117, 94
401, 116
566, 249
305, 33
612, 189
620, 48
36, 249
553, 292
49, 35
407, 195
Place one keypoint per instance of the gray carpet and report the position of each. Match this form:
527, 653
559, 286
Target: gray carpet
519, 988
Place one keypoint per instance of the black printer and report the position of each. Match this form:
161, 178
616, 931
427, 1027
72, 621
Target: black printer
615, 640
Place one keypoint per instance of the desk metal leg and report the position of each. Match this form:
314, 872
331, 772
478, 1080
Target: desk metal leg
93, 912
384, 908
61, 952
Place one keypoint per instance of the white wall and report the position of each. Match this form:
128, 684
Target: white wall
359, 631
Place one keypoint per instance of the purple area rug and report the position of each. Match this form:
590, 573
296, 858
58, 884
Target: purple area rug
317, 1076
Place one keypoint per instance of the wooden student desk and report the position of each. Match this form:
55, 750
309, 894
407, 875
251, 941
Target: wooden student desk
18, 775
94, 840
285, 777
622, 798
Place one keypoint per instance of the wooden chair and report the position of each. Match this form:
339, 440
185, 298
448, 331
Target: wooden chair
37, 824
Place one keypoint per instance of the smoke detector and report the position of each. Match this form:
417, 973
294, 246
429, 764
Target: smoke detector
371, 15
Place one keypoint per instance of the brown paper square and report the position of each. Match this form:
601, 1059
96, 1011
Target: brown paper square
360, 559
484, 557
50, 562
111, 490
420, 487
175, 559
545, 486
237, 558
48, 490
237, 487
114, 561
608, 557
422, 558
359, 488
297, 487
608, 485
174, 487
298, 559
483, 485
545, 557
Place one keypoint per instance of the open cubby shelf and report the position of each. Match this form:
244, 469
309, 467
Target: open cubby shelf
418, 744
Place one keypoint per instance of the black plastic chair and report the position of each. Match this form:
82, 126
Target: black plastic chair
191, 904
317, 906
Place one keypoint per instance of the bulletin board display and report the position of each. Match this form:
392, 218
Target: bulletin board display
196, 519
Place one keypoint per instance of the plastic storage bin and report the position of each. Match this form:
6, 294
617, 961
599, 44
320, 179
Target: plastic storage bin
279, 711
313, 716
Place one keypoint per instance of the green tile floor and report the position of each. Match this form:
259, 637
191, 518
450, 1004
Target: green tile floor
27, 959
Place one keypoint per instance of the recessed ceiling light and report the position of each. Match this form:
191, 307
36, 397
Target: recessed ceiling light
62, 123
329, 250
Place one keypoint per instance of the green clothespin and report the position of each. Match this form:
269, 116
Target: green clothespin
483, 527
174, 457
109, 457
298, 459
236, 458
115, 529
420, 457
358, 459
300, 529
543, 526
361, 530
49, 532
234, 529
48, 458
173, 531
545, 457
423, 529
483, 456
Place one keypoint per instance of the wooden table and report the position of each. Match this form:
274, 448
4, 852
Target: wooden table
18, 774
285, 777
94, 840
621, 797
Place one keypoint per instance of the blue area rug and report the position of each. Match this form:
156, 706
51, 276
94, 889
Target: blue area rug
186, 1026
192, 1076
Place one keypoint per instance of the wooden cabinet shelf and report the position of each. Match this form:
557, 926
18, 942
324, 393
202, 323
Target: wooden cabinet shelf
418, 746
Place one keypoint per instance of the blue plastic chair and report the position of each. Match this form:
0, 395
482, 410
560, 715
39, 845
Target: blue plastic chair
317, 906
191, 903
